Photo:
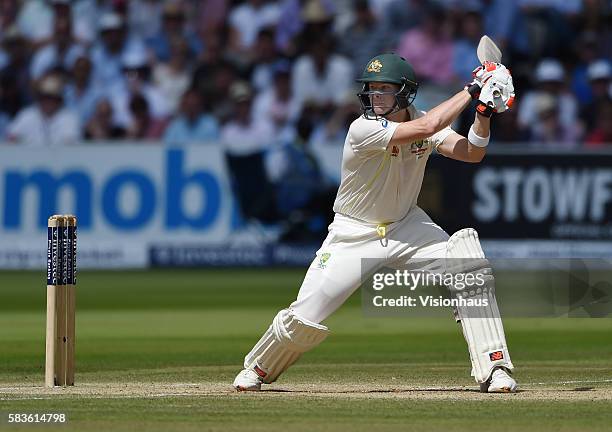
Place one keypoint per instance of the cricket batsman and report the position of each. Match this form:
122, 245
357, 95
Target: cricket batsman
376, 216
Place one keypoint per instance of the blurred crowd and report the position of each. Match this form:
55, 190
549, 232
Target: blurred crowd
256, 75
241, 72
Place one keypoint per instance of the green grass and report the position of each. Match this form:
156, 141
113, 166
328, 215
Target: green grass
265, 413
194, 326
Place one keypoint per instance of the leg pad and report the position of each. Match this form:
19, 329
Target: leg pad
283, 343
482, 325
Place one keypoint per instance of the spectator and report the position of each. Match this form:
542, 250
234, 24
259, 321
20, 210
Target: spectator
364, 38
599, 74
213, 81
302, 180
114, 44
602, 132
464, 49
548, 129
100, 126
296, 15
192, 125
429, 48
265, 56
173, 78
11, 101
335, 129
277, 103
505, 24
586, 51
246, 20
59, 32
304, 196
245, 141
143, 124
401, 16
550, 81
36, 17
85, 16
212, 60
214, 52
243, 134
82, 92
212, 15
15, 72
48, 122
318, 23
319, 77
136, 81
61, 52
548, 26
173, 28
145, 17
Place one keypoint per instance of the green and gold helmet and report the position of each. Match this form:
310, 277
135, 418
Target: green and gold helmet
388, 68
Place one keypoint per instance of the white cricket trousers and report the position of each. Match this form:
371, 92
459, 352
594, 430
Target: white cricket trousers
354, 249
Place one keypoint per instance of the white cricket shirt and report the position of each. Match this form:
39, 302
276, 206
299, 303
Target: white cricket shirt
381, 182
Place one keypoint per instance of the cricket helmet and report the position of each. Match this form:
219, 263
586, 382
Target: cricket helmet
388, 68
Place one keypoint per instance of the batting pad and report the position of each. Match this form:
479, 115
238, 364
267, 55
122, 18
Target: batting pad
282, 344
482, 325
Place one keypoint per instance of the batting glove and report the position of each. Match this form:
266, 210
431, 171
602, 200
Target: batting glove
497, 94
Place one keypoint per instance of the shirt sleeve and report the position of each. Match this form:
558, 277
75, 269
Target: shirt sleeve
369, 137
439, 137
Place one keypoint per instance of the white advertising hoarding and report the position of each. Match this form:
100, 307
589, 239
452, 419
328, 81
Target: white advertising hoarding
126, 197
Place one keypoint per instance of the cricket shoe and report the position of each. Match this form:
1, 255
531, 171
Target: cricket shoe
500, 382
247, 380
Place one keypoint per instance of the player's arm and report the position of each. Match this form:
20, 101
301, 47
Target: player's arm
468, 149
434, 121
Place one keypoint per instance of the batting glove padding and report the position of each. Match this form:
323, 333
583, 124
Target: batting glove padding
497, 88
488, 70
498, 93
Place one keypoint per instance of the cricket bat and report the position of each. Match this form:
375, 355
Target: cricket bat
488, 51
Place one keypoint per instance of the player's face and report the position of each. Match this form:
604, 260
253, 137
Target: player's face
383, 98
